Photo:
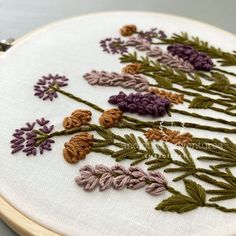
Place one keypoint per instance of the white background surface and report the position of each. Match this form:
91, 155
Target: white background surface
19, 17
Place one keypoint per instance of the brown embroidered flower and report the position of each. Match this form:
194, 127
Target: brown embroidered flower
77, 119
78, 147
128, 30
172, 97
168, 135
110, 118
132, 68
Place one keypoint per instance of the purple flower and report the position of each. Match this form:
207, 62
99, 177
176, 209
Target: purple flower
148, 35
114, 45
199, 60
143, 104
139, 43
27, 139
44, 87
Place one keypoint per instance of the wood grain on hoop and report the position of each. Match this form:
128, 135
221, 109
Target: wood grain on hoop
20, 223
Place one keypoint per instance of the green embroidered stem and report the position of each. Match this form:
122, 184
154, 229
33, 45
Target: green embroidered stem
220, 208
223, 102
225, 58
215, 109
224, 71
222, 121
156, 124
78, 99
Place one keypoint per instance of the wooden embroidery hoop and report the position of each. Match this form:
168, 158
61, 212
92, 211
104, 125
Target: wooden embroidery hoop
11, 216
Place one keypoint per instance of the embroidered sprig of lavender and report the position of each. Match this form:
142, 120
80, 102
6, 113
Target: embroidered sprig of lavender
143, 104
224, 58
174, 61
199, 60
118, 178
114, 45
124, 80
151, 104
44, 87
30, 140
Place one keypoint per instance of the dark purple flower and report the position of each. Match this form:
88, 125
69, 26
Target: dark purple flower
44, 87
199, 60
114, 45
143, 104
27, 139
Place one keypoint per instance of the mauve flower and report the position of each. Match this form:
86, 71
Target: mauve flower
154, 189
44, 87
135, 184
143, 104
199, 60
139, 43
25, 138
114, 45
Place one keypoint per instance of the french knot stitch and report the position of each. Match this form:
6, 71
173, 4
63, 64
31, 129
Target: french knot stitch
78, 147
77, 119
128, 30
110, 118
168, 135
174, 98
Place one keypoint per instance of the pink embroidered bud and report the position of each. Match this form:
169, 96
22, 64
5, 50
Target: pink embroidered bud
154, 189
120, 182
105, 182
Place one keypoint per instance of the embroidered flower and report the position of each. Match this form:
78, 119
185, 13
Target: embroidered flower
174, 98
139, 43
152, 33
110, 118
119, 178
78, 147
199, 60
44, 87
30, 140
77, 119
124, 80
132, 68
143, 104
128, 30
168, 135
114, 46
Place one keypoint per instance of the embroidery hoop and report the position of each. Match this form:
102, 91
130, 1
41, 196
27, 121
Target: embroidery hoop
11, 216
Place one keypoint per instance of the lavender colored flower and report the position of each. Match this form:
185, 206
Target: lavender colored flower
152, 33
139, 43
44, 87
25, 139
199, 60
143, 104
125, 80
119, 177
114, 45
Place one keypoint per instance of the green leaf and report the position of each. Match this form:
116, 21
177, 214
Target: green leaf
201, 102
196, 191
178, 203
221, 82
163, 82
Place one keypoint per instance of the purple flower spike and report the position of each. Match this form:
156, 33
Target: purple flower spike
44, 87
143, 104
114, 46
199, 60
152, 33
25, 138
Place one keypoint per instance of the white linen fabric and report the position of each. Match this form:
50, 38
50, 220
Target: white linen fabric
43, 187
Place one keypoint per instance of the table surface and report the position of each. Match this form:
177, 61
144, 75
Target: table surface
20, 17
